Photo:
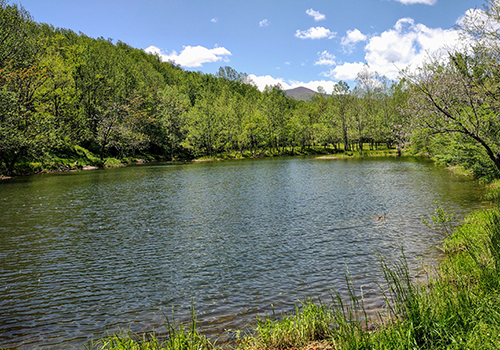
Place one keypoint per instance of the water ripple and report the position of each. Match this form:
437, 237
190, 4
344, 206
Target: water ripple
90, 252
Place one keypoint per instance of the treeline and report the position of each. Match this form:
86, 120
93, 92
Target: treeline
61, 90
63, 93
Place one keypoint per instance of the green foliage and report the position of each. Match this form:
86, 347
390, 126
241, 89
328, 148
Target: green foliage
456, 149
16, 39
441, 219
493, 191
167, 130
61, 89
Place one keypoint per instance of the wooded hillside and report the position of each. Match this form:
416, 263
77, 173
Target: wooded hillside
66, 96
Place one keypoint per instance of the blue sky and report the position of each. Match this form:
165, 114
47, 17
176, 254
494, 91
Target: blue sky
291, 42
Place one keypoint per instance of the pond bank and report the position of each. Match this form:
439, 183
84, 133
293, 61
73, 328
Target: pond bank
88, 161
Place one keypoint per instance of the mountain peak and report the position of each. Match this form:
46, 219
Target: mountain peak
300, 93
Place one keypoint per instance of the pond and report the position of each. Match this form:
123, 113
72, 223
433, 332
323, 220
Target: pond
90, 252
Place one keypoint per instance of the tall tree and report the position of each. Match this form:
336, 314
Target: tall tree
16, 34
342, 102
365, 104
167, 129
24, 131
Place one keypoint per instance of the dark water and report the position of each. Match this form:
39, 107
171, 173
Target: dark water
89, 252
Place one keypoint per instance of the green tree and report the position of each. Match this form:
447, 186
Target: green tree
276, 108
365, 105
167, 130
252, 134
342, 101
458, 95
16, 34
204, 125
24, 131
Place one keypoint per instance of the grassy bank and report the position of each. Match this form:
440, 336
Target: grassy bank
458, 307
79, 158
320, 151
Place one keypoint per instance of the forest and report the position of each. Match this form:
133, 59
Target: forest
68, 100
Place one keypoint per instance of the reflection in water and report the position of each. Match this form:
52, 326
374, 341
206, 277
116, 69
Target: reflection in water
89, 252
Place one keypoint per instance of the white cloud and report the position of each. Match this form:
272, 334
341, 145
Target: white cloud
316, 15
313, 85
263, 80
315, 33
264, 23
266, 80
214, 20
407, 44
345, 71
352, 37
412, 2
325, 59
192, 56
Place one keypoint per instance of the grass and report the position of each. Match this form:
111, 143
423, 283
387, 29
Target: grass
78, 158
177, 338
309, 323
329, 152
493, 191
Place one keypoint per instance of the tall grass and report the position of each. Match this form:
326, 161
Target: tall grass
459, 308
310, 322
178, 338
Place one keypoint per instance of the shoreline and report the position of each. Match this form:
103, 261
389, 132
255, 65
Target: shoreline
69, 165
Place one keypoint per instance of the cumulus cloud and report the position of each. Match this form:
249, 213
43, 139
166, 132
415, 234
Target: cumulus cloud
266, 80
214, 20
315, 33
406, 44
409, 43
192, 56
345, 71
316, 15
352, 37
412, 2
325, 59
264, 23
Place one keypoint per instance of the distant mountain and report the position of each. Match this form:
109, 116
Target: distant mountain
301, 93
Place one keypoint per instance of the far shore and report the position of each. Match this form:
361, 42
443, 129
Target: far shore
68, 165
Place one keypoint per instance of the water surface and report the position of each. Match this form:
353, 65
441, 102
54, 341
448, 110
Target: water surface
94, 251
